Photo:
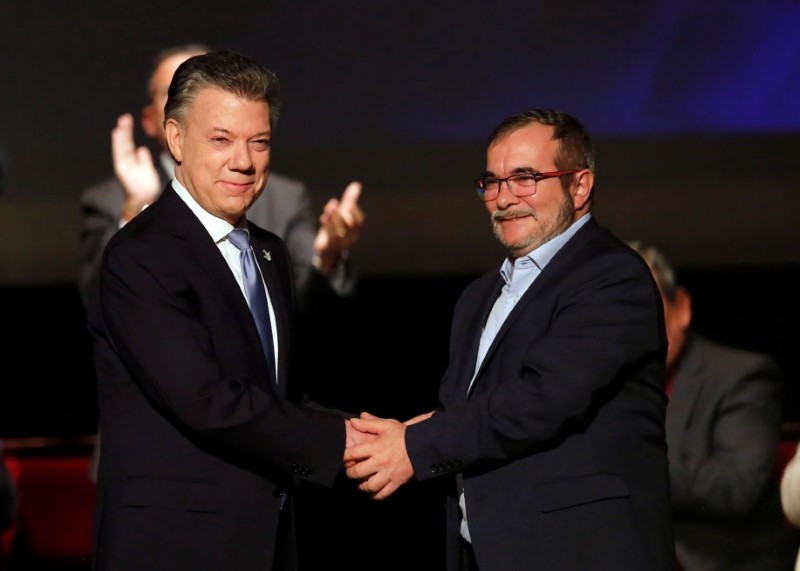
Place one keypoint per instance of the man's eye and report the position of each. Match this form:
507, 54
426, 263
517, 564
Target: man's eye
262, 143
525, 179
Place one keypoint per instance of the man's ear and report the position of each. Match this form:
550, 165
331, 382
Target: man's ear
149, 122
174, 138
683, 307
582, 189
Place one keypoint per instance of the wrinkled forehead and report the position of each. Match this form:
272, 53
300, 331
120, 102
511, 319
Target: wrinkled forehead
529, 146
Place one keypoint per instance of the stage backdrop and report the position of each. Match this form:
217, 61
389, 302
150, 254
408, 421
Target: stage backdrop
695, 107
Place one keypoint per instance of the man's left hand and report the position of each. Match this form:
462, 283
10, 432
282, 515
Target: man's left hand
382, 466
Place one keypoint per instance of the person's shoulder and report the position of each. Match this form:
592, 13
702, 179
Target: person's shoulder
592, 240
157, 231
281, 183
257, 233
597, 248
280, 201
606, 241
139, 226
108, 190
105, 186
729, 356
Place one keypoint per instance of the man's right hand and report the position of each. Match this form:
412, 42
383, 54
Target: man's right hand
134, 168
340, 228
381, 465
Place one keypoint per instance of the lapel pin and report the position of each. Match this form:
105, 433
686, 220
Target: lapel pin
267, 255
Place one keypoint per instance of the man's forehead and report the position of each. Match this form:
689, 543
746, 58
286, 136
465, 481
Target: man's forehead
220, 97
526, 144
216, 108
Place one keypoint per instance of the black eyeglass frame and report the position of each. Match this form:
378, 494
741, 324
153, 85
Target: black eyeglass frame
519, 190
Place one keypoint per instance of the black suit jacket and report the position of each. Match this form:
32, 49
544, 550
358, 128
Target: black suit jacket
723, 429
561, 439
197, 448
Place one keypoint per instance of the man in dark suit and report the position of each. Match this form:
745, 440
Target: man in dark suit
320, 264
723, 429
550, 421
323, 274
200, 447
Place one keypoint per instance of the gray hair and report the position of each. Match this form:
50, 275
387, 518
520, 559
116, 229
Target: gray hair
663, 272
226, 70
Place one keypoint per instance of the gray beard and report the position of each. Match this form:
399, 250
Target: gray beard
543, 233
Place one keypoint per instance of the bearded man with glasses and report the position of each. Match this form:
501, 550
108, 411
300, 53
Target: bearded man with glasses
550, 422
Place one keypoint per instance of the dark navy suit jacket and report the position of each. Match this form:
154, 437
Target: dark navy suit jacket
561, 439
197, 447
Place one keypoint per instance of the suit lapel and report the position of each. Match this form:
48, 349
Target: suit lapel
547, 279
183, 224
685, 393
487, 294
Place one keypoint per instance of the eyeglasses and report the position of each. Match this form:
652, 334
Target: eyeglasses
524, 184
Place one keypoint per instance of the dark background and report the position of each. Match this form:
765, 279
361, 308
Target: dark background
695, 110
694, 105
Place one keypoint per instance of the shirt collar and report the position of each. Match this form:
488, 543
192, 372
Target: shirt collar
216, 227
542, 255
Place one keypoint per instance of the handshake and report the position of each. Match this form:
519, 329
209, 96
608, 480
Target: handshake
375, 453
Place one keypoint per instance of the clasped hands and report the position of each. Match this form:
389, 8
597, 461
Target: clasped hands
375, 454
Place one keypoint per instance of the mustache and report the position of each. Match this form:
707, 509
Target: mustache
511, 213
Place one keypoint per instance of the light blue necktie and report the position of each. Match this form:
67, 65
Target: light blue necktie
256, 294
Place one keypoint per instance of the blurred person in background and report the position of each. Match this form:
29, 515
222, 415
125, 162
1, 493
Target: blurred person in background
723, 429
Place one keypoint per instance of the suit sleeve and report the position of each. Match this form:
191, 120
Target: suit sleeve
603, 324
726, 476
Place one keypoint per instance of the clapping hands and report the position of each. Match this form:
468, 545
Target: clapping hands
340, 227
134, 168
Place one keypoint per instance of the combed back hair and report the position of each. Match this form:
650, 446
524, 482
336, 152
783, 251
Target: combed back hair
575, 148
663, 272
192, 49
226, 70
